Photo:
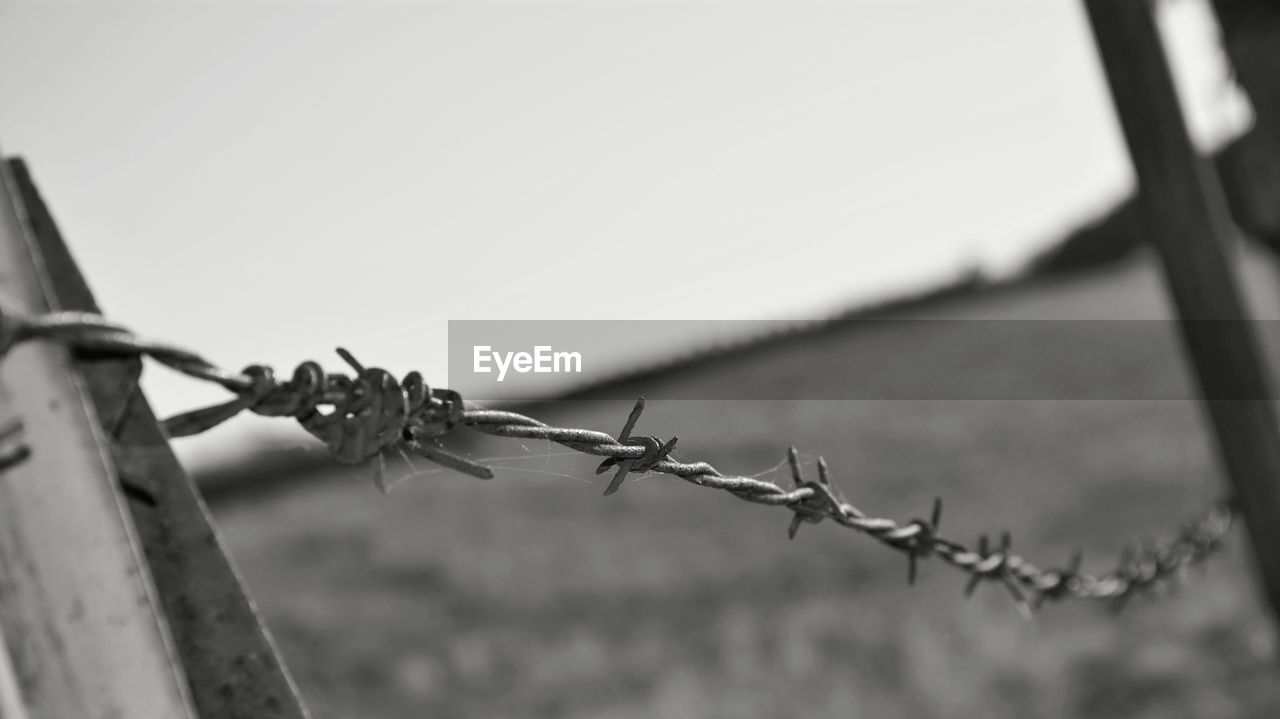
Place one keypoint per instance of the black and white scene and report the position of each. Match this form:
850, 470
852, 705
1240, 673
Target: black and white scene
639, 358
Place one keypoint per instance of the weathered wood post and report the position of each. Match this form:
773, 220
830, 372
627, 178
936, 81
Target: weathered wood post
1187, 221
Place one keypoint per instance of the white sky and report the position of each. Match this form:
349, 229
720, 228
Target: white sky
262, 182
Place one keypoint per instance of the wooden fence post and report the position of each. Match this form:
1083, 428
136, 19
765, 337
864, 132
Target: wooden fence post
1187, 221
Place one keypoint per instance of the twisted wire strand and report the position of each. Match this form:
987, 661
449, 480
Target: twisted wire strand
815, 501
371, 412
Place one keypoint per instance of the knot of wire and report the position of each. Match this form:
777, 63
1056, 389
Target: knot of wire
359, 416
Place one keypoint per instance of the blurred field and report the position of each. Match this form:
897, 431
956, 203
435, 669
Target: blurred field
533, 596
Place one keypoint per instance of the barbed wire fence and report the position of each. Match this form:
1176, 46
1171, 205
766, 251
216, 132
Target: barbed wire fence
371, 411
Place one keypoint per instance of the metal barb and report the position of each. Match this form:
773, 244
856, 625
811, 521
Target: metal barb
797, 479
1019, 596
972, 584
655, 451
349, 359
976, 577
823, 501
793, 459
922, 544
1007, 577
624, 438
1063, 579
445, 458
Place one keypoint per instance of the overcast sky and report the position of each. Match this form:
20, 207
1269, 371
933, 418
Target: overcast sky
264, 181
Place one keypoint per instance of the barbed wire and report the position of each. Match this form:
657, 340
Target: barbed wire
371, 411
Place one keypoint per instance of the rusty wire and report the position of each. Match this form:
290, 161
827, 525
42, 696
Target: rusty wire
372, 411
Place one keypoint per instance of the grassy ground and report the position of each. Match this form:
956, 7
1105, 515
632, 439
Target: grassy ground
533, 596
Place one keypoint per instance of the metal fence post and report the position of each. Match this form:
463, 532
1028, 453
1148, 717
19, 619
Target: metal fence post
80, 614
229, 658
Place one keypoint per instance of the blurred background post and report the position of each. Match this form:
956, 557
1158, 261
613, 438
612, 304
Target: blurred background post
1188, 223
1250, 166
